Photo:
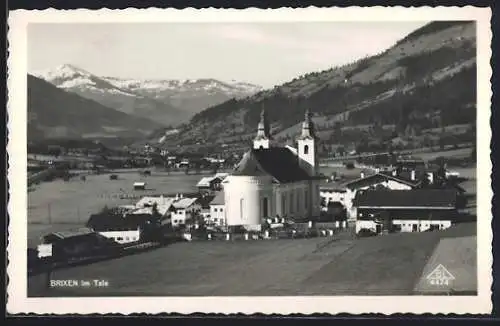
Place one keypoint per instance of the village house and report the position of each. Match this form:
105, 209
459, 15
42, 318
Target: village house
345, 193
406, 211
184, 210
217, 210
163, 205
211, 184
124, 227
274, 181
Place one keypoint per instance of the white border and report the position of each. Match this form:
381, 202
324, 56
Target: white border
18, 302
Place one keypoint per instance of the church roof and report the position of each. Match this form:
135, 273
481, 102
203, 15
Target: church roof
279, 162
371, 179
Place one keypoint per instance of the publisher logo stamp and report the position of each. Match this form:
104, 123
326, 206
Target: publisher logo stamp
440, 276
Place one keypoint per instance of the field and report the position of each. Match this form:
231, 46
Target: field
384, 265
60, 205
454, 153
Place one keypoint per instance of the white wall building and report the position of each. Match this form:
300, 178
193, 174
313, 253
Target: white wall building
346, 193
271, 180
126, 236
218, 210
184, 210
412, 211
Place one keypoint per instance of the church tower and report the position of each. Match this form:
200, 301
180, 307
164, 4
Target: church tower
307, 146
263, 138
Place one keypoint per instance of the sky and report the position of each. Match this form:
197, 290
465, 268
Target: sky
266, 54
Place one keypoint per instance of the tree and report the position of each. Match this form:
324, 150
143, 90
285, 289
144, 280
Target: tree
341, 150
154, 211
424, 181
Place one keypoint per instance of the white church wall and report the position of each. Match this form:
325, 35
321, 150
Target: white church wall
243, 199
306, 151
261, 143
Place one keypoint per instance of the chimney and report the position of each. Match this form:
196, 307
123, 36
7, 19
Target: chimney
180, 196
413, 175
394, 173
176, 196
362, 175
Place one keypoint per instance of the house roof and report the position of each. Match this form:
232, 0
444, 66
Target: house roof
378, 176
162, 209
218, 199
204, 182
72, 233
150, 201
221, 175
417, 199
109, 222
278, 162
184, 203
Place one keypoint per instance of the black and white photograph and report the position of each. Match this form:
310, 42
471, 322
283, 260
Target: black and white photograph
250, 157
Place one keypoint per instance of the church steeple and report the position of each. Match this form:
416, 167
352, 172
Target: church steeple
307, 127
263, 138
306, 146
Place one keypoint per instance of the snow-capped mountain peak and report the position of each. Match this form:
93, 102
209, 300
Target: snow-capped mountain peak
144, 96
61, 71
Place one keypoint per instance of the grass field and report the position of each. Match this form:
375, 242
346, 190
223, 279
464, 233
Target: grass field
384, 265
459, 257
454, 153
60, 205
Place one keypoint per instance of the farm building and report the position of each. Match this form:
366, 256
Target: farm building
218, 210
125, 227
345, 193
139, 185
409, 211
64, 245
271, 180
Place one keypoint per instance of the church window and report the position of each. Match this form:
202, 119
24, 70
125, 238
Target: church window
283, 204
241, 208
265, 207
306, 149
298, 201
291, 202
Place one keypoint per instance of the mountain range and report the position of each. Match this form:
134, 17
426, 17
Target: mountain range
425, 82
55, 113
168, 102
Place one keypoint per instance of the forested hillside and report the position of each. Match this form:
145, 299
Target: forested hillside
420, 91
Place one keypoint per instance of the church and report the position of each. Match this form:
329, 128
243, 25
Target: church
271, 180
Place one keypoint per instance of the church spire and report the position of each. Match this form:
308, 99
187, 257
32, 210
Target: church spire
307, 127
263, 138
263, 130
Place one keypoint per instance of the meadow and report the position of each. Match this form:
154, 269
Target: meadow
385, 265
61, 205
